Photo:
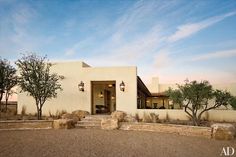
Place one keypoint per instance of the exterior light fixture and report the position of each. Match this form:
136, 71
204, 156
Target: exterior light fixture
122, 86
81, 86
101, 95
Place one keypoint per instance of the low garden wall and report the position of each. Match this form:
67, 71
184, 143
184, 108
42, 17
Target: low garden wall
168, 128
213, 115
25, 124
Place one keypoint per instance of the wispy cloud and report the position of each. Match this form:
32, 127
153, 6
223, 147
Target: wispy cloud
215, 55
162, 59
187, 30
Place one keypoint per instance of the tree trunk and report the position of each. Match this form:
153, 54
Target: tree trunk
7, 96
195, 119
38, 113
1, 94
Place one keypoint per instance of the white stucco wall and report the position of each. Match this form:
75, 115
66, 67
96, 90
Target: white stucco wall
212, 115
72, 99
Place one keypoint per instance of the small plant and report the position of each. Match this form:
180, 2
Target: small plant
137, 117
60, 113
147, 118
154, 117
50, 114
23, 110
167, 117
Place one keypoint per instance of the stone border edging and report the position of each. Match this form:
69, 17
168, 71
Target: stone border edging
168, 128
26, 124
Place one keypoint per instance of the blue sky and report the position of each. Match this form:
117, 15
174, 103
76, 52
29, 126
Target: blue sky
172, 39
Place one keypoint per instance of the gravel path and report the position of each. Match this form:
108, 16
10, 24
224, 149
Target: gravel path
100, 143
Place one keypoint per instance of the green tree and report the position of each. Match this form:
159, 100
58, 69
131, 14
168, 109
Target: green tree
8, 79
35, 79
233, 102
195, 96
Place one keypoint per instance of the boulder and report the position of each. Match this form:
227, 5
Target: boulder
120, 115
63, 124
223, 131
130, 118
74, 117
109, 124
80, 113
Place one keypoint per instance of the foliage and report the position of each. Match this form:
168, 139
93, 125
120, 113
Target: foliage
35, 79
195, 96
233, 102
176, 96
8, 79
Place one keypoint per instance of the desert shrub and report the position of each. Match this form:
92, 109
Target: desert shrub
60, 113
137, 117
147, 118
23, 110
167, 117
154, 117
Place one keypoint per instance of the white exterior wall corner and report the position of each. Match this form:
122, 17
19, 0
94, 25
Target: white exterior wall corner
70, 98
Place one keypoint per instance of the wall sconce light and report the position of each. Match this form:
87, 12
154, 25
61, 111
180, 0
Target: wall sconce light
122, 86
101, 95
81, 86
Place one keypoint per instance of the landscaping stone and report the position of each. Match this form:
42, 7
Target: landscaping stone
63, 124
223, 131
120, 115
168, 128
74, 117
130, 118
109, 124
25, 124
80, 113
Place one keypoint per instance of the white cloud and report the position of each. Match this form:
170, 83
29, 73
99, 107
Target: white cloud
187, 30
162, 59
214, 55
77, 47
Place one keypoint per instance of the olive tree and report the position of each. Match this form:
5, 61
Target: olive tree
8, 79
194, 97
37, 80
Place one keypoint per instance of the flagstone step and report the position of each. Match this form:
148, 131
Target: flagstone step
91, 121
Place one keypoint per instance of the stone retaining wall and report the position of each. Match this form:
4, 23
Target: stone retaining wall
25, 124
168, 128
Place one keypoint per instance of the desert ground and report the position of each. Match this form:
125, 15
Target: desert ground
100, 143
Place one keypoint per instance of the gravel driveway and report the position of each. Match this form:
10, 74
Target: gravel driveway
100, 143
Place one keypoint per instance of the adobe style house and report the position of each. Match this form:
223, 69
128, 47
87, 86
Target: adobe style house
96, 89
102, 90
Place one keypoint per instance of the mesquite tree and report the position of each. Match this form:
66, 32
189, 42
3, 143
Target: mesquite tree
8, 79
35, 79
195, 97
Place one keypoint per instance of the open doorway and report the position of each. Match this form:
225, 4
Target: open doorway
103, 97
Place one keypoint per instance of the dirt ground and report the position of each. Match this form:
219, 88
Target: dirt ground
100, 143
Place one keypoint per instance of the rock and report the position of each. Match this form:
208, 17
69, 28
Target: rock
120, 115
63, 124
223, 131
74, 117
130, 118
109, 123
80, 113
